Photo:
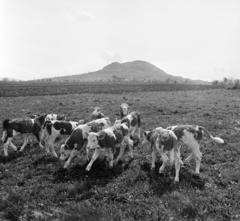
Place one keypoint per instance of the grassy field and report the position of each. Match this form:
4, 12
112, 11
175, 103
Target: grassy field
33, 185
40, 89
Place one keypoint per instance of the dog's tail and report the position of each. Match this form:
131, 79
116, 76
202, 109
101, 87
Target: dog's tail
216, 139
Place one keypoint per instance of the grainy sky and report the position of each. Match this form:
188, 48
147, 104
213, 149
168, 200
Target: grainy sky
199, 39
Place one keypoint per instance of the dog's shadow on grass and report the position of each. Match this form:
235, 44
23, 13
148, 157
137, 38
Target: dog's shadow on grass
162, 183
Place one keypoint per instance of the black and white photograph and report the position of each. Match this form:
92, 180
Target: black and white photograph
119, 110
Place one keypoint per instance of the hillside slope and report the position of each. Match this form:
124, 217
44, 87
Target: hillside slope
129, 71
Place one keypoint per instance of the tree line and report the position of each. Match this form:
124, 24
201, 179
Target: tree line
226, 81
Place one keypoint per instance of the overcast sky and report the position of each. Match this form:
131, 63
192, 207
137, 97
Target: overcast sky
198, 39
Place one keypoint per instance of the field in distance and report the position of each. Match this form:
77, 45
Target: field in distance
14, 89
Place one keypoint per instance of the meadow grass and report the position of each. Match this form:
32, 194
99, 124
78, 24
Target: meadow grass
34, 186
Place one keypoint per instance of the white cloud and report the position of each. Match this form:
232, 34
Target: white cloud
112, 57
81, 16
84, 16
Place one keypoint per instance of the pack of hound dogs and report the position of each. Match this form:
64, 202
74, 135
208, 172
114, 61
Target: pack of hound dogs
102, 137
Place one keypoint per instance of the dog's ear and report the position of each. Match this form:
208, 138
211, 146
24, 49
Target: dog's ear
86, 133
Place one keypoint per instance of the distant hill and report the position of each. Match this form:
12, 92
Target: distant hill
129, 71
